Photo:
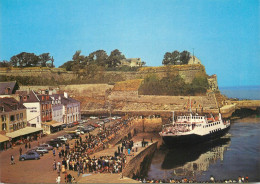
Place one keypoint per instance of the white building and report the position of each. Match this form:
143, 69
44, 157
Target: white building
32, 104
57, 108
71, 109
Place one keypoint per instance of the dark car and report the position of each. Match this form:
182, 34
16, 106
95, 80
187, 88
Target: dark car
30, 155
63, 126
70, 125
55, 142
74, 136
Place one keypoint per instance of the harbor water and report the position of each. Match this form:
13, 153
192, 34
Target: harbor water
233, 155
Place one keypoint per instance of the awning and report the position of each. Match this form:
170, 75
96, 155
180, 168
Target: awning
53, 123
3, 138
57, 124
23, 131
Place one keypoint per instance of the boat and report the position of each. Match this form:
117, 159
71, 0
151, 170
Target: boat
192, 129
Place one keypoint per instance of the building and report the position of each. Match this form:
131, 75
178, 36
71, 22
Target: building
33, 107
213, 83
194, 60
57, 108
8, 88
132, 62
71, 109
13, 115
57, 116
46, 107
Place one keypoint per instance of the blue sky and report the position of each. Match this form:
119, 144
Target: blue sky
224, 33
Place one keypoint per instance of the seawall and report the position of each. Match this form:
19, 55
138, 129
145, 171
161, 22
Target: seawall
139, 162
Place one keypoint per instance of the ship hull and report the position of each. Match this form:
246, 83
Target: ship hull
173, 141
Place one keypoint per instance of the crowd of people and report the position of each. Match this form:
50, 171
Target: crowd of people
186, 180
76, 157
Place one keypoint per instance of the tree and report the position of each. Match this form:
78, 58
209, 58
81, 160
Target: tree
167, 58
98, 57
25, 59
77, 58
115, 58
184, 57
68, 65
44, 58
175, 57
5, 63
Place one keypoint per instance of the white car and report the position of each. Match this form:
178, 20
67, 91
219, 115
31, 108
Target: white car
78, 132
80, 126
62, 138
93, 117
116, 117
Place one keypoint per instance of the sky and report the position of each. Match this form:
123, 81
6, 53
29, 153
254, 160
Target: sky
223, 33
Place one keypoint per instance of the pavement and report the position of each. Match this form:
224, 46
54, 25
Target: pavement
41, 171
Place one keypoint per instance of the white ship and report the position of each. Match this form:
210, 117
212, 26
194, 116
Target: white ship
192, 129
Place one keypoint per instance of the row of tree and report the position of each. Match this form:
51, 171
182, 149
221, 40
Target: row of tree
173, 86
98, 58
25, 59
176, 57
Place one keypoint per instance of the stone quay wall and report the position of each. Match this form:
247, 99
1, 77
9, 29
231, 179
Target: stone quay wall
134, 166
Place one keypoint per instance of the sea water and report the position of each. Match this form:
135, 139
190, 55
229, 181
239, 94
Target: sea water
233, 155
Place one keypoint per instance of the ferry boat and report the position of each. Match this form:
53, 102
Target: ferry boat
192, 129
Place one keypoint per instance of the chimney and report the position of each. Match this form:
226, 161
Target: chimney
65, 94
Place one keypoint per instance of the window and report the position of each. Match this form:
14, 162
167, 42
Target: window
17, 116
12, 117
3, 118
21, 115
4, 126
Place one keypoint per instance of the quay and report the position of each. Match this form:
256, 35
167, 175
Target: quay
41, 171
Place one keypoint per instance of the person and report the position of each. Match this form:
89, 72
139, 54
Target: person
12, 160
54, 165
20, 150
25, 146
246, 179
58, 179
53, 151
29, 145
212, 180
66, 177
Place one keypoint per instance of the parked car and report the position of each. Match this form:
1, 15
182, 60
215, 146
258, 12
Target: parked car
62, 138
63, 126
106, 120
68, 136
75, 123
116, 117
70, 125
55, 142
93, 117
78, 132
46, 146
85, 120
80, 126
40, 150
95, 125
101, 123
89, 128
30, 155
74, 135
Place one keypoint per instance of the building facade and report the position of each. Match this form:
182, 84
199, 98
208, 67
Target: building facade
57, 108
33, 108
71, 109
13, 115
